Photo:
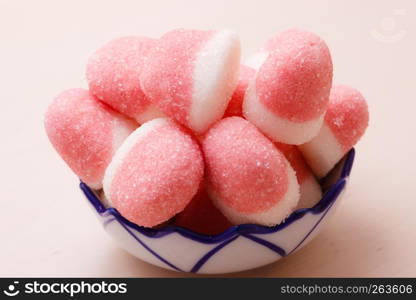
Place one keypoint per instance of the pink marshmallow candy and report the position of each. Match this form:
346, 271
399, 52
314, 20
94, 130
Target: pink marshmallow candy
250, 180
202, 216
257, 59
86, 133
310, 190
113, 74
345, 122
155, 173
191, 74
235, 106
288, 97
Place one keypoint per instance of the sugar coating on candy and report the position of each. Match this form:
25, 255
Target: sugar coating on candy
277, 128
289, 95
201, 215
215, 79
168, 76
322, 152
85, 133
296, 160
191, 74
155, 173
234, 107
310, 193
347, 115
257, 59
295, 79
249, 177
310, 190
345, 122
245, 169
113, 74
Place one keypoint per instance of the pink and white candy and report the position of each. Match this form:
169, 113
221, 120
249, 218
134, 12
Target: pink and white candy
202, 216
113, 74
235, 106
86, 133
155, 173
257, 59
310, 190
250, 180
191, 74
288, 97
345, 122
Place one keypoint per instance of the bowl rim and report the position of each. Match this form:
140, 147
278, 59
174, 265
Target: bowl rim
242, 229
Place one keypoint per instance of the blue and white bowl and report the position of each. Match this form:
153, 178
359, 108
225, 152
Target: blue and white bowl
240, 248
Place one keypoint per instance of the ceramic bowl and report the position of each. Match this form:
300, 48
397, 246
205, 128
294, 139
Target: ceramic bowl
239, 248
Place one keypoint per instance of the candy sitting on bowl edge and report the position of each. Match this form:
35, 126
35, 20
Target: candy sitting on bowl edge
241, 247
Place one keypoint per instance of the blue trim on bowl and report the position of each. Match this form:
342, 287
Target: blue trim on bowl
242, 229
346, 169
211, 253
335, 193
96, 203
228, 236
275, 248
108, 221
148, 248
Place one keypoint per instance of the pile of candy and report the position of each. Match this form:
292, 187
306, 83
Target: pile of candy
218, 143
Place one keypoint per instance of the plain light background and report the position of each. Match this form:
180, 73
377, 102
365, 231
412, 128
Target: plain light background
46, 227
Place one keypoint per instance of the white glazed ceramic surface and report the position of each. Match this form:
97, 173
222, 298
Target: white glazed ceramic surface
239, 248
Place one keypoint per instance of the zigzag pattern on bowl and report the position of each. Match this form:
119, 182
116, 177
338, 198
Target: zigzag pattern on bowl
214, 245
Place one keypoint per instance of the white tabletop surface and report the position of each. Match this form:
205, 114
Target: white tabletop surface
46, 228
